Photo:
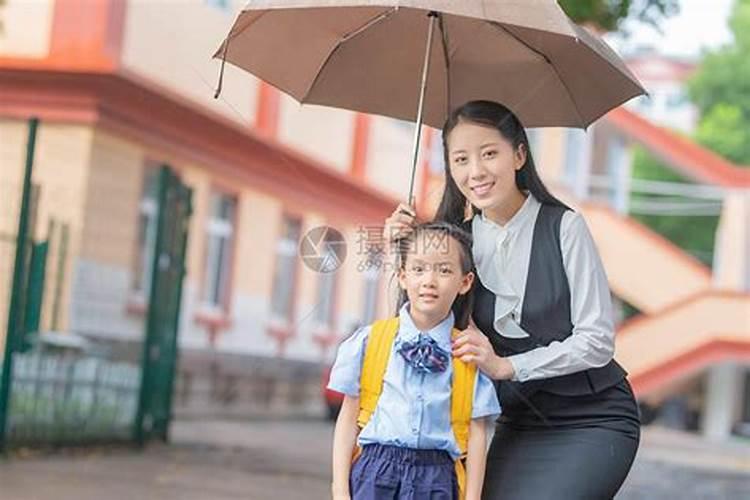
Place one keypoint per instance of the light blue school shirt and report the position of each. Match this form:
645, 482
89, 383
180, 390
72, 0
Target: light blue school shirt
414, 408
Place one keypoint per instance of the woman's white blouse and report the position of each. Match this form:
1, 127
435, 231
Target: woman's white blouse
502, 254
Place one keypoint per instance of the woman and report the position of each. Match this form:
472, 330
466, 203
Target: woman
542, 322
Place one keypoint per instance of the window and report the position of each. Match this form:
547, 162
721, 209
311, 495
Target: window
534, 136
618, 174
370, 296
573, 152
219, 4
676, 99
324, 305
437, 157
576, 166
644, 103
219, 237
286, 270
148, 211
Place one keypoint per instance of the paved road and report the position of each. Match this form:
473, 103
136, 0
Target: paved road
289, 460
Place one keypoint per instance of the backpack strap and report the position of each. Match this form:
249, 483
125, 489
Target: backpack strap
377, 354
462, 399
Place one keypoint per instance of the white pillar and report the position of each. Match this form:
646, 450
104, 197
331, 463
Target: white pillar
583, 183
577, 166
732, 247
723, 400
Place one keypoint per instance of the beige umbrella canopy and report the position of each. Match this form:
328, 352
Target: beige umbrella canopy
371, 56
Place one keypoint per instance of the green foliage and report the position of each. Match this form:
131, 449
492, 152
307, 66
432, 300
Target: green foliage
693, 234
607, 14
726, 130
648, 168
721, 90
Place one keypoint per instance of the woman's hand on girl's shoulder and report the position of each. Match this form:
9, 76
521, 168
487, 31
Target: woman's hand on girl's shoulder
472, 346
400, 224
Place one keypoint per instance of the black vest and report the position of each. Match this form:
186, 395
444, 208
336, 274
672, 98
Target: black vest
545, 317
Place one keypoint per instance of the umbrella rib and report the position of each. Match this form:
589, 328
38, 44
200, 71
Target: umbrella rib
444, 39
371, 22
582, 34
224, 48
520, 40
348, 36
572, 99
548, 61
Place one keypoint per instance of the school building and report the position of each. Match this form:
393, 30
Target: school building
122, 87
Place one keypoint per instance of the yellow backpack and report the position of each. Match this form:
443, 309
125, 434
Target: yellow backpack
377, 354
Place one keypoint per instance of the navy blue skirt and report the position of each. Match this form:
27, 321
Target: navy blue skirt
393, 473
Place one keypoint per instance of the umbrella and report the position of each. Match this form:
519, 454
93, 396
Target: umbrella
418, 59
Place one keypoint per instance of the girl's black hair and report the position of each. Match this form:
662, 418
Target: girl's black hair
463, 304
452, 206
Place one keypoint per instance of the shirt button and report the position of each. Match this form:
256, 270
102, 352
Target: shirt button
414, 430
419, 397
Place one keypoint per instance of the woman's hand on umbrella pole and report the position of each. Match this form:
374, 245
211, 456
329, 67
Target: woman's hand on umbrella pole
471, 346
400, 224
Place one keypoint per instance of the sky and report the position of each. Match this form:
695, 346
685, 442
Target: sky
701, 24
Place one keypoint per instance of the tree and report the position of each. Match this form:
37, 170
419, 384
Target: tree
721, 90
726, 130
607, 14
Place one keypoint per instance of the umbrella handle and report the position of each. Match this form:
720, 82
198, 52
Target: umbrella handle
420, 109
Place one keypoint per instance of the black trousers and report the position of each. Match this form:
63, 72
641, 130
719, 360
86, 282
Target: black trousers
583, 450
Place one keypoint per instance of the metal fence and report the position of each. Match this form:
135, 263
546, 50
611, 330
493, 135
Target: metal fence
71, 399
78, 365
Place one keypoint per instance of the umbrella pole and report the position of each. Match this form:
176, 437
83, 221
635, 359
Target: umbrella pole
423, 87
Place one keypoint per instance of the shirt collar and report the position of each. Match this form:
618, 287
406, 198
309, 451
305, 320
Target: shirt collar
440, 333
518, 219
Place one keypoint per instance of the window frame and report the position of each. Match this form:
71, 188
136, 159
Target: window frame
216, 226
286, 322
143, 256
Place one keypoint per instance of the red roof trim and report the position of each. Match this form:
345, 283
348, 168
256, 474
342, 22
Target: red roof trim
140, 109
86, 34
360, 147
688, 364
267, 115
686, 156
634, 323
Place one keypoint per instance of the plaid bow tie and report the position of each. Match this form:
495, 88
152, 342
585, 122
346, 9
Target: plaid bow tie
425, 355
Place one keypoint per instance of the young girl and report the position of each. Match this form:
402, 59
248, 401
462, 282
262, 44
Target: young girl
411, 416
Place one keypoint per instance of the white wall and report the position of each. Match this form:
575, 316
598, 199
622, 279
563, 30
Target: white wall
26, 28
172, 43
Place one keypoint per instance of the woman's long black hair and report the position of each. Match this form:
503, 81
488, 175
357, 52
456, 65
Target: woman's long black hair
463, 304
452, 206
